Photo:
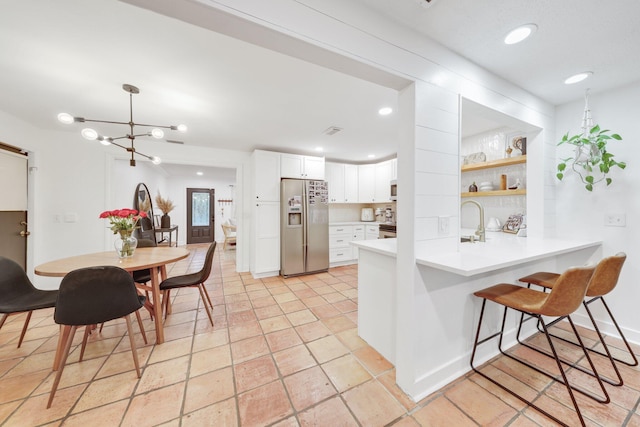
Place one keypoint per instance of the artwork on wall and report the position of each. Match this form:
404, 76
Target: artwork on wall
515, 145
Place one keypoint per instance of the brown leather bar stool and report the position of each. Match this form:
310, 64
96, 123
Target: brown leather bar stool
563, 299
604, 280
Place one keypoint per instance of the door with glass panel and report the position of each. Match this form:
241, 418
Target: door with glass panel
200, 215
13, 205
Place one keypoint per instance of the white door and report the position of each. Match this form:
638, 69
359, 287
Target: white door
13, 207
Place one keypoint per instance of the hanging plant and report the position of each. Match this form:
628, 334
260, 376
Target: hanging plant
591, 161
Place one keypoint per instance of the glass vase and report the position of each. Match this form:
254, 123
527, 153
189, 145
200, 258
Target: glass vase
125, 244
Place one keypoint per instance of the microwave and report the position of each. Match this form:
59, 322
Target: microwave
394, 189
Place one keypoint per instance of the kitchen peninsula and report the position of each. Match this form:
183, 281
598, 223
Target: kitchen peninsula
444, 311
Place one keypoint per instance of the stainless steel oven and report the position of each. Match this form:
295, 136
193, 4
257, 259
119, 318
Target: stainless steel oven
387, 231
393, 190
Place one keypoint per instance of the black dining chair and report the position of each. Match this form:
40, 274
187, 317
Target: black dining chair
18, 295
89, 296
191, 280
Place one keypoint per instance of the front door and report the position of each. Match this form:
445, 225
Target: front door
13, 206
200, 215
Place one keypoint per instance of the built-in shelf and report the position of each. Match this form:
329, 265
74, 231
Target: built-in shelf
495, 163
517, 192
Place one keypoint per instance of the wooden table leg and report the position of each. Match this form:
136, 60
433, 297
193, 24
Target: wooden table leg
157, 303
163, 275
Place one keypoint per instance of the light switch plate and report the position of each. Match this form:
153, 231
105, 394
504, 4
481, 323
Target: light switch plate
443, 225
615, 220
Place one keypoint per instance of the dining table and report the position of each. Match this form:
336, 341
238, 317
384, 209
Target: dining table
155, 259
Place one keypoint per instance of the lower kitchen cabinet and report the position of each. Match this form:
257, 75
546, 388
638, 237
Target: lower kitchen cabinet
265, 251
340, 236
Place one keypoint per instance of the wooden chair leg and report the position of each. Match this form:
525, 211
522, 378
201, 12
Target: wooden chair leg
207, 294
204, 302
144, 334
67, 333
24, 328
133, 344
62, 340
165, 300
4, 319
87, 331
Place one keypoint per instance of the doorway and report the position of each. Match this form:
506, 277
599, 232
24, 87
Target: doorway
200, 215
13, 205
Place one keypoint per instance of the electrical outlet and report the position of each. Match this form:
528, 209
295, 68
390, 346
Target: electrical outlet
443, 225
615, 220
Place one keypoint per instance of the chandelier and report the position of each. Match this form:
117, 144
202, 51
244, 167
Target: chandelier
93, 135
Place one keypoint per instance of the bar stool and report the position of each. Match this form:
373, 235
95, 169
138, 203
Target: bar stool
563, 299
604, 280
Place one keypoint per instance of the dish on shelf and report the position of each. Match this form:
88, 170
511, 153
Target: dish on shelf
488, 188
494, 229
485, 184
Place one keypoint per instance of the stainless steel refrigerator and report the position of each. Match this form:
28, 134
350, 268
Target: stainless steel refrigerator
304, 213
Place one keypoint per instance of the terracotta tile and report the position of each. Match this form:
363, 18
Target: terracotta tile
249, 349
301, 317
263, 302
273, 324
209, 340
484, 408
372, 404
327, 348
162, 374
291, 306
325, 311
235, 319
106, 391
346, 372
171, 350
312, 331
264, 405
334, 297
314, 301
294, 359
244, 330
332, 412
288, 422
282, 339
346, 306
33, 411
285, 297
104, 416
123, 362
338, 323
268, 311
239, 306
155, 407
219, 414
407, 421
306, 388
350, 339
7, 408
254, 373
77, 373
372, 360
388, 380
208, 389
441, 412
210, 360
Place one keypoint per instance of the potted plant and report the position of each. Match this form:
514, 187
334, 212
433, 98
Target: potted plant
591, 161
165, 206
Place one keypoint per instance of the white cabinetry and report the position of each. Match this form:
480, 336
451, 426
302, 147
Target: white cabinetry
372, 231
394, 169
343, 182
266, 172
302, 167
265, 224
382, 191
339, 249
366, 183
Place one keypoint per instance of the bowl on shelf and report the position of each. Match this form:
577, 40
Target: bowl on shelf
486, 188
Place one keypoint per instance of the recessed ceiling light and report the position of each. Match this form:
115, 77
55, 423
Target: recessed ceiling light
199, 173
519, 34
385, 111
319, 149
578, 77
371, 156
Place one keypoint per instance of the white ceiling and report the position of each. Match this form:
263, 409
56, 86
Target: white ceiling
74, 56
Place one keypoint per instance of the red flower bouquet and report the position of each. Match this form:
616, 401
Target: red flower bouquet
123, 221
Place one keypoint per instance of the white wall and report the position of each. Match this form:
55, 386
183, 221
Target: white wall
581, 213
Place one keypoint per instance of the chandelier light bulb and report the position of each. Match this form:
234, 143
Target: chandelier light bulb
385, 111
89, 134
105, 140
182, 128
156, 160
65, 118
157, 133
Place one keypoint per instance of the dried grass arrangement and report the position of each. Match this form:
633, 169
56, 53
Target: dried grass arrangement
165, 205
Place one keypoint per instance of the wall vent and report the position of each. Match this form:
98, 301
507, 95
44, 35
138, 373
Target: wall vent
332, 130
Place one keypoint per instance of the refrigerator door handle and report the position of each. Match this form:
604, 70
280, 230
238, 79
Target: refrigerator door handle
305, 223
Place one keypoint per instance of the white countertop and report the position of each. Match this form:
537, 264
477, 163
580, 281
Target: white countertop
387, 247
501, 251
355, 223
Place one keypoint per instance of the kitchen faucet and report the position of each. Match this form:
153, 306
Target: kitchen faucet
480, 232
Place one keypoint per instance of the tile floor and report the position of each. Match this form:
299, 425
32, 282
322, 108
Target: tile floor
283, 352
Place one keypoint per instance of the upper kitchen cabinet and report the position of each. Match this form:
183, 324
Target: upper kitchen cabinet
301, 167
266, 168
343, 182
394, 169
383, 182
366, 183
